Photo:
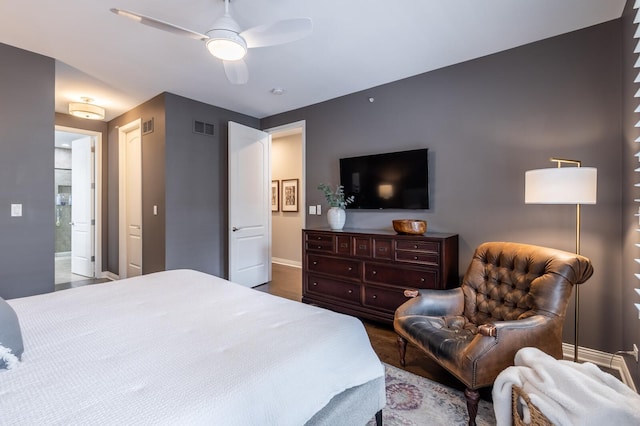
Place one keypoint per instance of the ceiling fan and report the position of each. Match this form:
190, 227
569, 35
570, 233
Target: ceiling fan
227, 42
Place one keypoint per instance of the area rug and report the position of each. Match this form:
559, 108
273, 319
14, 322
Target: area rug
416, 401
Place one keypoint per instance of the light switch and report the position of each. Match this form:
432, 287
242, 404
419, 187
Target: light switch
155, 210
16, 210
312, 209
319, 209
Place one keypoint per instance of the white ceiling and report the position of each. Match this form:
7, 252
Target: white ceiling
355, 45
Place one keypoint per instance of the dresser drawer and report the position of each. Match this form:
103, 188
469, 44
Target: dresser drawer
382, 249
421, 257
327, 287
345, 268
344, 245
400, 276
417, 245
386, 299
319, 242
362, 246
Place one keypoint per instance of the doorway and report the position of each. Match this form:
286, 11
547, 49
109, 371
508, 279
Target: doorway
288, 165
77, 209
247, 165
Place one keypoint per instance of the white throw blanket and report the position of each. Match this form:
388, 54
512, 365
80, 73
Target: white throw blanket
567, 393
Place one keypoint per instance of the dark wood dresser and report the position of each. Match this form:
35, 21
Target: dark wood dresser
365, 272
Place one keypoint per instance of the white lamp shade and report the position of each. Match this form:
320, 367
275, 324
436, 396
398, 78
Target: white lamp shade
565, 185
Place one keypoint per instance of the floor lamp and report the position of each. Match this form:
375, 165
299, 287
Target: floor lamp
564, 185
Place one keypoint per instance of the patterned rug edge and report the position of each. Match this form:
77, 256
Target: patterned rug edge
413, 400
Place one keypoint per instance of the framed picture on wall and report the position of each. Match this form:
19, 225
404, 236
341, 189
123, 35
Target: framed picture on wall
290, 195
275, 195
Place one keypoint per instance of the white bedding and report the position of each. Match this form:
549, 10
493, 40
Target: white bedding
179, 347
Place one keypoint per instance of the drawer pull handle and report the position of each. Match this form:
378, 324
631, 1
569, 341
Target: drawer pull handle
319, 247
350, 291
343, 245
362, 247
422, 279
315, 284
374, 272
375, 296
415, 257
315, 263
350, 268
382, 249
415, 246
319, 238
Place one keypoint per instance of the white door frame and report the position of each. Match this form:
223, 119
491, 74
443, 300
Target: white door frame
122, 179
97, 229
294, 128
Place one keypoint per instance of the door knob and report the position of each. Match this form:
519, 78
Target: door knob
234, 229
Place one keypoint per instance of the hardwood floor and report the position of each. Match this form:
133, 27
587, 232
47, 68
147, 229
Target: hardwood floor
287, 282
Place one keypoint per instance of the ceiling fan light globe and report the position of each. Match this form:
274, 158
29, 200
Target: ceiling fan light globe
226, 45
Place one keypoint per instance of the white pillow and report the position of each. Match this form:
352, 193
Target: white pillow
11, 346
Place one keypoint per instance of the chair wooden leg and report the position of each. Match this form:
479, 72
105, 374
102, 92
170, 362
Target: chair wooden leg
473, 398
402, 348
379, 418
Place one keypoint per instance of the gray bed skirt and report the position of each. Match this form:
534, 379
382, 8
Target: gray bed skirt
355, 406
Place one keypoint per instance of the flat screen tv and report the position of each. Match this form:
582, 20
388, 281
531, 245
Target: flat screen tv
395, 180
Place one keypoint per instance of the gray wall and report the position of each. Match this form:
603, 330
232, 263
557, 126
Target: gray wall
485, 123
630, 223
185, 175
26, 172
196, 185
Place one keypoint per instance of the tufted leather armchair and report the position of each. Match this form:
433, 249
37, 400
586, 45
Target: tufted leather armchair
512, 295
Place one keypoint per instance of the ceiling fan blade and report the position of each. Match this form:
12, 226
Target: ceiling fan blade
279, 32
161, 25
236, 71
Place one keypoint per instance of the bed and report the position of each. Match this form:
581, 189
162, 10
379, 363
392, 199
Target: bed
183, 347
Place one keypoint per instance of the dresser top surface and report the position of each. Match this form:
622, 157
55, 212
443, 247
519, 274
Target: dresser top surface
383, 232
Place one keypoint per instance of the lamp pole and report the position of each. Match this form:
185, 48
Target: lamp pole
578, 163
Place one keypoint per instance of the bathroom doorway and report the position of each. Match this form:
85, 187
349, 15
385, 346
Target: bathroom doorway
76, 222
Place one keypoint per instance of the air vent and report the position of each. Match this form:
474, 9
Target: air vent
147, 126
202, 128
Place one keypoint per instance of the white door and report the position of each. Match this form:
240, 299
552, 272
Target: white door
249, 205
130, 200
82, 207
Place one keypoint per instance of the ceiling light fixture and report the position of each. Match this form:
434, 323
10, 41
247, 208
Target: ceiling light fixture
226, 45
86, 109
225, 41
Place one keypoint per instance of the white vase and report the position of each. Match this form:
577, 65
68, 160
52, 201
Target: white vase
336, 217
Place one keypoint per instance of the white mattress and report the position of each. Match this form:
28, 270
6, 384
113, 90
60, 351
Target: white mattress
179, 347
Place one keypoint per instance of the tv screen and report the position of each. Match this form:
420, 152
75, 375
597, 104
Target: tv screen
395, 180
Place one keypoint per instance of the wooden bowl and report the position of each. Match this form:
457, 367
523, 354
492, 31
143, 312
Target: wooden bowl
410, 226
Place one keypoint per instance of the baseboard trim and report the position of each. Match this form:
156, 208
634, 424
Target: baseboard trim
286, 262
602, 359
109, 275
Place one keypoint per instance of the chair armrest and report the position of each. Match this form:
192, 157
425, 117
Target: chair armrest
492, 352
493, 329
433, 303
